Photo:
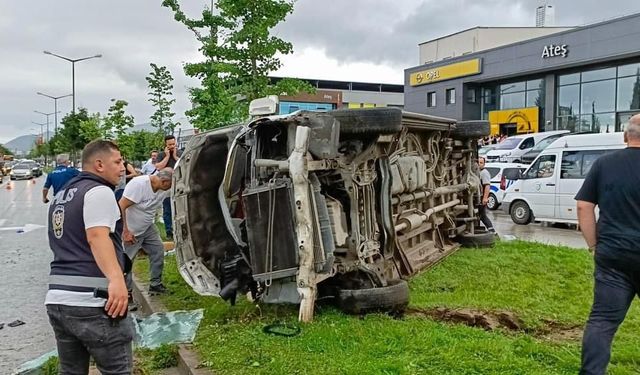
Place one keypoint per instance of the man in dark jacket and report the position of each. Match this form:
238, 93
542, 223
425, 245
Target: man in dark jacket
59, 176
85, 235
613, 184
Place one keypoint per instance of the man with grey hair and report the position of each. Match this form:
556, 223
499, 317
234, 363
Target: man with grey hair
59, 176
142, 197
612, 184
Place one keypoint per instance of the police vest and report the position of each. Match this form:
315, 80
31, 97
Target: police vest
73, 267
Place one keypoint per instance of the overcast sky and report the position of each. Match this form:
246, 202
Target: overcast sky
354, 40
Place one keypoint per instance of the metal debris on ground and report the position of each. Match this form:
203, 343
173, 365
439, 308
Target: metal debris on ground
16, 323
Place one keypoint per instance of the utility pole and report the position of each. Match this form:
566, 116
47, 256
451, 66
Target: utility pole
73, 71
55, 108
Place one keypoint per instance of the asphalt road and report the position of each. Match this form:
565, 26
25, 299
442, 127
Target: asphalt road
24, 260
26, 256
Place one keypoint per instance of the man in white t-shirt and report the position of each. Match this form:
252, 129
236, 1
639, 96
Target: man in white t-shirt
142, 197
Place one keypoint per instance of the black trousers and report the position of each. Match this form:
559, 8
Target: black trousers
482, 211
84, 332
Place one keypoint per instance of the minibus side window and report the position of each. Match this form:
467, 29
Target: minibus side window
543, 167
493, 171
577, 164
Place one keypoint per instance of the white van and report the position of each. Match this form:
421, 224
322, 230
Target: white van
511, 149
499, 183
546, 190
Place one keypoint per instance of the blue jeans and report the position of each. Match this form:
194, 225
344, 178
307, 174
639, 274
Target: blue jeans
83, 332
614, 290
166, 216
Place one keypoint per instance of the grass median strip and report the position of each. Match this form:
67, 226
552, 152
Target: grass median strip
546, 288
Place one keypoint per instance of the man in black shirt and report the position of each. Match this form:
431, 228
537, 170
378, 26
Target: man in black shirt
168, 158
613, 184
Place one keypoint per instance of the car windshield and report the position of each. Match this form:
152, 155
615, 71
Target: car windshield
508, 144
24, 166
545, 142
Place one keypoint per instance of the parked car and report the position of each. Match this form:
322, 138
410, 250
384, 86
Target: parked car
485, 149
343, 205
513, 148
8, 165
546, 190
36, 169
499, 182
22, 170
531, 155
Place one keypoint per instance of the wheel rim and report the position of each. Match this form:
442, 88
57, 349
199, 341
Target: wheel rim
520, 213
492, 202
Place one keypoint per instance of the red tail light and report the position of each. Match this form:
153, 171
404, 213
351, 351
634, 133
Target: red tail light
503, 183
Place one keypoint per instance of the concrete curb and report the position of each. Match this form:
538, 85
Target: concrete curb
188, 360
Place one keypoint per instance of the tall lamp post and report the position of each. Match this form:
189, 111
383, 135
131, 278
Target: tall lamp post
73, 71
46, 114
42, 138
55, 108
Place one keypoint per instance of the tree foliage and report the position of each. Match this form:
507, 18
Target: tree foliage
4, 150
137, 145
117, 121
160, 95
239, 53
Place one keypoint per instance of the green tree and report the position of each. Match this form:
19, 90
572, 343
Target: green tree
137, 145
160, 95
93, 128
117, 121
70, 138
5, 151
239, 52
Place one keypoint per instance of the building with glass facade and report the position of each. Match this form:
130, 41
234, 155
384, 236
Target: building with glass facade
583, 79
342, 94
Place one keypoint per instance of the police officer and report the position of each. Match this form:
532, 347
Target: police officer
85, 235
59, 176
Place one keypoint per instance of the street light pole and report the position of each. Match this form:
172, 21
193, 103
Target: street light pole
55, 108
41, 129
73, 71
46, 114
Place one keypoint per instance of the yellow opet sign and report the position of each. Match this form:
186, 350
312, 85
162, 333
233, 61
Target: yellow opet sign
525, 119
442, 73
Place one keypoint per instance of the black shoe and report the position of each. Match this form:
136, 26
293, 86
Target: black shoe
157, 289
133, 306
170, 235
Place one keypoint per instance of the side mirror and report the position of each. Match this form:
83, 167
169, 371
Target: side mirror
513, 174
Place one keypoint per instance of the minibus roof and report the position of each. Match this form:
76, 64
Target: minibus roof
588, 140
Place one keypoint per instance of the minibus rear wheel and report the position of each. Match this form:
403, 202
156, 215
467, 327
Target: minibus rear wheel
521, 213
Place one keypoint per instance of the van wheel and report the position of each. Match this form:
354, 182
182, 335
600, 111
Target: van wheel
473, 129
392, 298
521, 213
369, 120
481, 238
492, 204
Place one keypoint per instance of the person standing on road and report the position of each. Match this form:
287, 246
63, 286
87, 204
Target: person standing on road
141, 199
612, 184
85, 237
59, 176
150, 166
485, 189
168, 158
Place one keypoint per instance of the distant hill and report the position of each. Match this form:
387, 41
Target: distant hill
22, 144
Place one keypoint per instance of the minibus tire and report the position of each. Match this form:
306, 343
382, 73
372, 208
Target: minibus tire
369, 120
481, 239
527, 215
473, 129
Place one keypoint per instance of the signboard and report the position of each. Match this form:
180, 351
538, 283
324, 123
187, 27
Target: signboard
555, 51
516, 120
445, 72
